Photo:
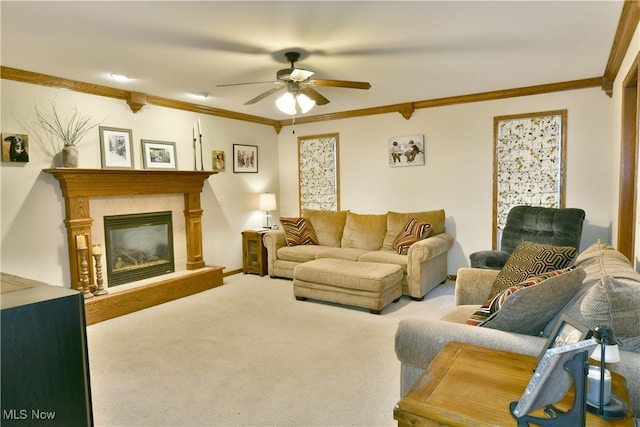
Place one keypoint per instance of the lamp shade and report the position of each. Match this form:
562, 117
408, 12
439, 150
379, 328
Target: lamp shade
611, 353
267, 202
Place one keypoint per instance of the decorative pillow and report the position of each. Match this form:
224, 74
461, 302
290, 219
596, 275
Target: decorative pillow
397, 220
415, 229
328, 225
610, 295
364, 231
298, 231
531, 259
527, 307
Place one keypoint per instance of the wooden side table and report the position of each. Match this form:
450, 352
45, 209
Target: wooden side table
469, 385
254, 253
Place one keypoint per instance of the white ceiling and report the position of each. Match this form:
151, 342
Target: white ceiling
408, 51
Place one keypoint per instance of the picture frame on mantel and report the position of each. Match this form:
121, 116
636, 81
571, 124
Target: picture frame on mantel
159, 154
116, 148
245, 158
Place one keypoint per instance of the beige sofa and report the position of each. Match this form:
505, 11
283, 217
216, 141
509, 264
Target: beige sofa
368, 237
608, 294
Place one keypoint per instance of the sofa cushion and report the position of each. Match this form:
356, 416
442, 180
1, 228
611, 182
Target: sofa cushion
610, 295
301, 253
396, 222
415, 229
364, 231
298, 231
527, 307
327, 224
531, 259
351, 254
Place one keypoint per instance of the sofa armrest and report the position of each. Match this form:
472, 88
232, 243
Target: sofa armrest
473, 285
418, 341
429, 248
273, 240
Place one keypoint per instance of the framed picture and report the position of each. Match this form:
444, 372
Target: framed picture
116, 148
551, 381
217, 160
15, 147
319, 172
566, 331
406, 151
245, 158
529, 160
159, 154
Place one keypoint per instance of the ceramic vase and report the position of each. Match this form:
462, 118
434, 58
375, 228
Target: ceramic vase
70, 156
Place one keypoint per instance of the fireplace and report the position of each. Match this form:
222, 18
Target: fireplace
138, 246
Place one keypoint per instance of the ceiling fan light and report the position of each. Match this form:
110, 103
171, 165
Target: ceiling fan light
305, 102
286, 103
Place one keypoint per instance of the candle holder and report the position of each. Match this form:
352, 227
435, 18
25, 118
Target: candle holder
101, 289
84, 272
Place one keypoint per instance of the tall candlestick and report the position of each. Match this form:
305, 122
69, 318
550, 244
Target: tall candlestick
84, 271
81, 243
101, 290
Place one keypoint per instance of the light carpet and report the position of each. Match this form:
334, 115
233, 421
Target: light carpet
248, 354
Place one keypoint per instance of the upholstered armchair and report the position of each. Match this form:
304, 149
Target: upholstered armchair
546, 226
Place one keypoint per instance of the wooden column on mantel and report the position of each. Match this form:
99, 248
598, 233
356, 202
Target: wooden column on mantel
78, 185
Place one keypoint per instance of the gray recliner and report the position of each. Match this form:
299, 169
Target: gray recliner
546, 226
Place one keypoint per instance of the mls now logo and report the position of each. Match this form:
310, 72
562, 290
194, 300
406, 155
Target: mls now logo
24, 414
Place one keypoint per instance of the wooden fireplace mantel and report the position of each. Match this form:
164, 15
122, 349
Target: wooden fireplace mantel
79, 185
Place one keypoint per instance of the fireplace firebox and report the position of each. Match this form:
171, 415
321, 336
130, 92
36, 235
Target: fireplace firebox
138, 246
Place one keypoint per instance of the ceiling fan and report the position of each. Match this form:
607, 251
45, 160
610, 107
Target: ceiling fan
299, 87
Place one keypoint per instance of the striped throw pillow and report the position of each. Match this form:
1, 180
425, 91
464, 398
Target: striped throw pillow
415, 229
493, 305
298, 231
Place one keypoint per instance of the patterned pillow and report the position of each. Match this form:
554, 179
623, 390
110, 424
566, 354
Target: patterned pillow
298, 231
531, 259
528, 306
415, 229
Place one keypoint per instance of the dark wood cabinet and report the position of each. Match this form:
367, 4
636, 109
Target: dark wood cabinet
45, 367
254, 253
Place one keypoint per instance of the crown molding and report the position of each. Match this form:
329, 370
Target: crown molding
627, 25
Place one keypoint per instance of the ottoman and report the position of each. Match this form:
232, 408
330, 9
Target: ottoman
369, 285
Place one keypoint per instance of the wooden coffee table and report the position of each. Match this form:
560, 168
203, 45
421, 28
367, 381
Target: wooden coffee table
469, 385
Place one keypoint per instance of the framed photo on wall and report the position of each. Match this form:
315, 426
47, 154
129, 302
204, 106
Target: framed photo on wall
245, 158
116, 148
406, 151
15, 147
159, 154
218, 160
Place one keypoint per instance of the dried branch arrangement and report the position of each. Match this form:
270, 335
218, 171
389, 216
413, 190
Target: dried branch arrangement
70, 131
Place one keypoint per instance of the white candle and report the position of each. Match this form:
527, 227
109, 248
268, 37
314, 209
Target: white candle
194, 131
199, 128
81, 243
97, 249
593, 386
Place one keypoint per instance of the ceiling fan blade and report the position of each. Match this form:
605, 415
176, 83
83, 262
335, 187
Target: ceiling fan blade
264, 95
248, 83
341, 83
314, 94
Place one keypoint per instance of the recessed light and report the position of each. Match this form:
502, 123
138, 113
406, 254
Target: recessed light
120, 77
201, 95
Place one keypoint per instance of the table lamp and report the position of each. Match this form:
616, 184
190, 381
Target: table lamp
267, 203
600, 400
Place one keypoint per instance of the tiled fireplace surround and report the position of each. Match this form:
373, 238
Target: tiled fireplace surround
90, 194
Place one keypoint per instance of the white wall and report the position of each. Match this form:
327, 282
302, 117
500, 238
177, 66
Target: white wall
458, 175
32, 209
